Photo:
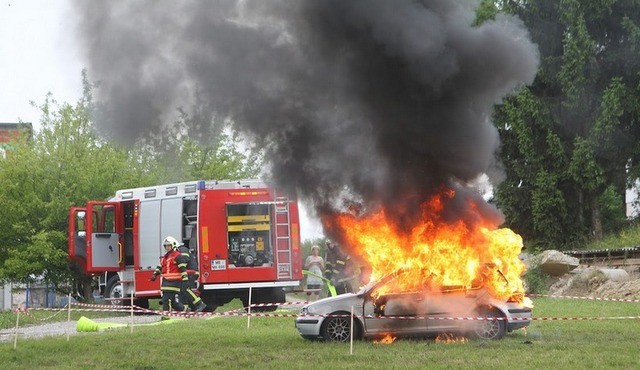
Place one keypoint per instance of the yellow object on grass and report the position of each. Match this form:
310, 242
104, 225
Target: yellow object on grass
87, 325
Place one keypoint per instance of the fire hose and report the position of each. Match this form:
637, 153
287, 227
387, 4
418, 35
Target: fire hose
330, 287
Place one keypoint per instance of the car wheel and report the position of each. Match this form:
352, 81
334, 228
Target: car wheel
338, 329
491, 328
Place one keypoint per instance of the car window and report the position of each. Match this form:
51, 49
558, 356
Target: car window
404, 282
400, 294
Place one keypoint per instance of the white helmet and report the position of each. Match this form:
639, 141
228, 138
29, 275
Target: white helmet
170, 240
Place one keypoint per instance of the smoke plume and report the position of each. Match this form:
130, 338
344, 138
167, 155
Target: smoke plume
371, 101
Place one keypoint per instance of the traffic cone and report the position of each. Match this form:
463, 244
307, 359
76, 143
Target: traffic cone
87, 325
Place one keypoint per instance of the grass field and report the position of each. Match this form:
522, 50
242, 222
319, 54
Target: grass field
272, 342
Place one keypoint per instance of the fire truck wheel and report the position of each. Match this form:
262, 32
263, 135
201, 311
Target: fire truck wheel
113, 291
211, 307
338, 329
141, 302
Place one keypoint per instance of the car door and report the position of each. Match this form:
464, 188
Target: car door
445, 307
389, 310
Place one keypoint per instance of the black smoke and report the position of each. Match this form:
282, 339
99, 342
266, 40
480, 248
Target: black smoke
375, 102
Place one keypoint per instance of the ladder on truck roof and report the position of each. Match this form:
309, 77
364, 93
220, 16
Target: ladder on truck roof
283, 237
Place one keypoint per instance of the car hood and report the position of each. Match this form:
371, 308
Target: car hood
342, 302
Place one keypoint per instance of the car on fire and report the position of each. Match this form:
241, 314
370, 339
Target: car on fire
383, 308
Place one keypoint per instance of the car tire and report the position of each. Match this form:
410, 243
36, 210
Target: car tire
491, 329
338, 328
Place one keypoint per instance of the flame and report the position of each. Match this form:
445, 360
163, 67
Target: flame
388, 339
439, 252
527, 302
448, 338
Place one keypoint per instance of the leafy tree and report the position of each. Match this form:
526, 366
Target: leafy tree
568, 138
67, 163
64, 164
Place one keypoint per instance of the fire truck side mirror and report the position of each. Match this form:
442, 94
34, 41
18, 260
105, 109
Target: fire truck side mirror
81, 215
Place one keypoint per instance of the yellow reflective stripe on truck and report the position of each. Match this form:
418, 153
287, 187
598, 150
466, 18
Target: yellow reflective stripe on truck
261, 227
205, 239
251, 218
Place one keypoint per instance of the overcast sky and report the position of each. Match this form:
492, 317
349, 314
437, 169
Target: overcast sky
38, 55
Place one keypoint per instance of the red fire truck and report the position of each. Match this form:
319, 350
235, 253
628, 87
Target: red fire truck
245, 236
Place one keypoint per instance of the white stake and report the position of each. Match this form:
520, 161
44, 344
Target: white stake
132, 293
15, 339
351, 333
68, 314
249, 310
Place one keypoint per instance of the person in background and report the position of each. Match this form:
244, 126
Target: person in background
315, 264
173, 274
340, 268
333, 259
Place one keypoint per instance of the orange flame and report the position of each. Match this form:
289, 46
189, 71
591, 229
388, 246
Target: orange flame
388, 339
439, 252
448, 338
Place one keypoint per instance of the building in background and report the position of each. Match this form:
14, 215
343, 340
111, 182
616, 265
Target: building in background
10, 131
631, 200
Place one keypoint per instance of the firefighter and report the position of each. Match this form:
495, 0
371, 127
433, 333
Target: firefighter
174, 275
188, 294
339, 268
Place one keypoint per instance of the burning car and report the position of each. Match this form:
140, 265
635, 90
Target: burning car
388, 307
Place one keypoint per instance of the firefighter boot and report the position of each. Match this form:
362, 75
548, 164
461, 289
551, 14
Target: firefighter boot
200, 307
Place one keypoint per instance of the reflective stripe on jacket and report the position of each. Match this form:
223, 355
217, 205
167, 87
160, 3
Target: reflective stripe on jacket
171, 268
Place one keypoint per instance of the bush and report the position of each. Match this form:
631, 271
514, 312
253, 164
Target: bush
535, 280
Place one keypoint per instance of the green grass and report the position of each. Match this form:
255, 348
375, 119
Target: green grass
273, 343
628, 237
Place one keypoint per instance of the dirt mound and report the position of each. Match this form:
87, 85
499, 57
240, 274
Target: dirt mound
590, 282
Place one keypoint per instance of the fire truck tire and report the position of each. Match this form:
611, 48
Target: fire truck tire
113, 290
141, 302
211, 307
266, 295
245, 302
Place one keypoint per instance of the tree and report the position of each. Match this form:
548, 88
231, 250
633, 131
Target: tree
567, 138
64, 164
67, 163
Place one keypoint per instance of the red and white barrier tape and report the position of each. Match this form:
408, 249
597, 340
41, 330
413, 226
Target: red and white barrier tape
241, 313
108, 306
278, 304
585, 298
25, 311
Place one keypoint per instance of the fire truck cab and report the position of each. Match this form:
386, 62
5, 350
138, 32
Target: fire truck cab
244, 234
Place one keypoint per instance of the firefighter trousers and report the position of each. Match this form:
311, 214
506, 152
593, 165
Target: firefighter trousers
187, 294
171, 295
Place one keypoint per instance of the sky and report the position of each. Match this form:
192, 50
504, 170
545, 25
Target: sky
39, 55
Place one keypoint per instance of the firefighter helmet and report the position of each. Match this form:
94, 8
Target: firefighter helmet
170, 240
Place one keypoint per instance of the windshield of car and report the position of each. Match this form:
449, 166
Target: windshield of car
419, 280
